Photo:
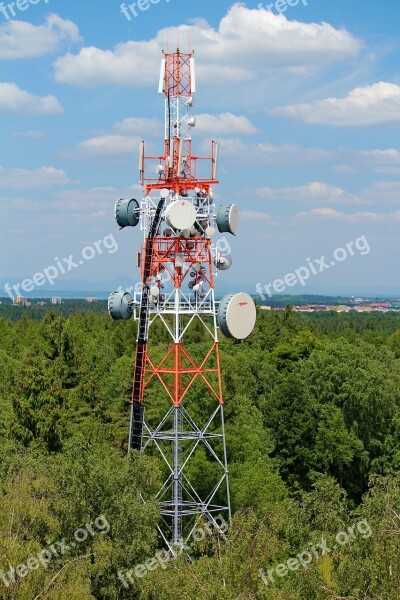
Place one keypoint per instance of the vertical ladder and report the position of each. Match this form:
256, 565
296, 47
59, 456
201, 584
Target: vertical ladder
136, 429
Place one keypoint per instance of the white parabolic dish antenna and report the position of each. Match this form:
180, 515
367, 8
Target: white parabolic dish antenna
180, 215
237, 315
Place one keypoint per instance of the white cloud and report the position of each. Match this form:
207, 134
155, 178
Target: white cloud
360, 217
247, 44
109, 145
265, 153
123, 140
20, 39
14, 100
381, 161
219, 124
30, 134
252, 215
375, 104
140, 126
94, 204
314, 192
377, 161
224, 124
382, 192
35, 178
99, 198
126, 134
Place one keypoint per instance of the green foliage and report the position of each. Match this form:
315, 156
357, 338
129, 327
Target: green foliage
313, 438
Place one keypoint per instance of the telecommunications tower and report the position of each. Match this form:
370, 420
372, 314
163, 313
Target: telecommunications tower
180, 373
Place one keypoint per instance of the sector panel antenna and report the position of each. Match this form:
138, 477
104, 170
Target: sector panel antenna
192, 75
162, 77
216, 159
237, 315
228, 219
141, 158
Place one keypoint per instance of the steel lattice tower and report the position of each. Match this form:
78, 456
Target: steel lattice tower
178, 262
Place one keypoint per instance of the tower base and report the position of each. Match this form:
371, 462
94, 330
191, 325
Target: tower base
177, 439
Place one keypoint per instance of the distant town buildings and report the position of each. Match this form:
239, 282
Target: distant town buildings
21, 301
56, 300
359, 305
90, 300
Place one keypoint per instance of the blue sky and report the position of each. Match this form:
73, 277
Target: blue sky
306, 104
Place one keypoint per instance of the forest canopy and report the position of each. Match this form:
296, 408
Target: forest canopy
312, 407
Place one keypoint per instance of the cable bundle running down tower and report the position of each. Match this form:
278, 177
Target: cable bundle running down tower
179, 262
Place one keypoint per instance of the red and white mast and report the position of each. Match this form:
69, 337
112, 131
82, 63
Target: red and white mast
179, 261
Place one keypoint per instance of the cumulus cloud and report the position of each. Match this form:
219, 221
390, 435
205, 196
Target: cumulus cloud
14, 100
123, 140
224, 124
252, 215
379, 193
100, 198
376, 160
139, 126
95, 203
312, 192
381, 161
264, 153
359, 217
36, 178
206, 124
30, 134
20, 39
109, 145
126, 134
375, 104
247, 44
382, 192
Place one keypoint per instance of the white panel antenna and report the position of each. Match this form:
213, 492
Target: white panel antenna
171, 154
180, 163
141, 158
162, 77
193, 75
216, 159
